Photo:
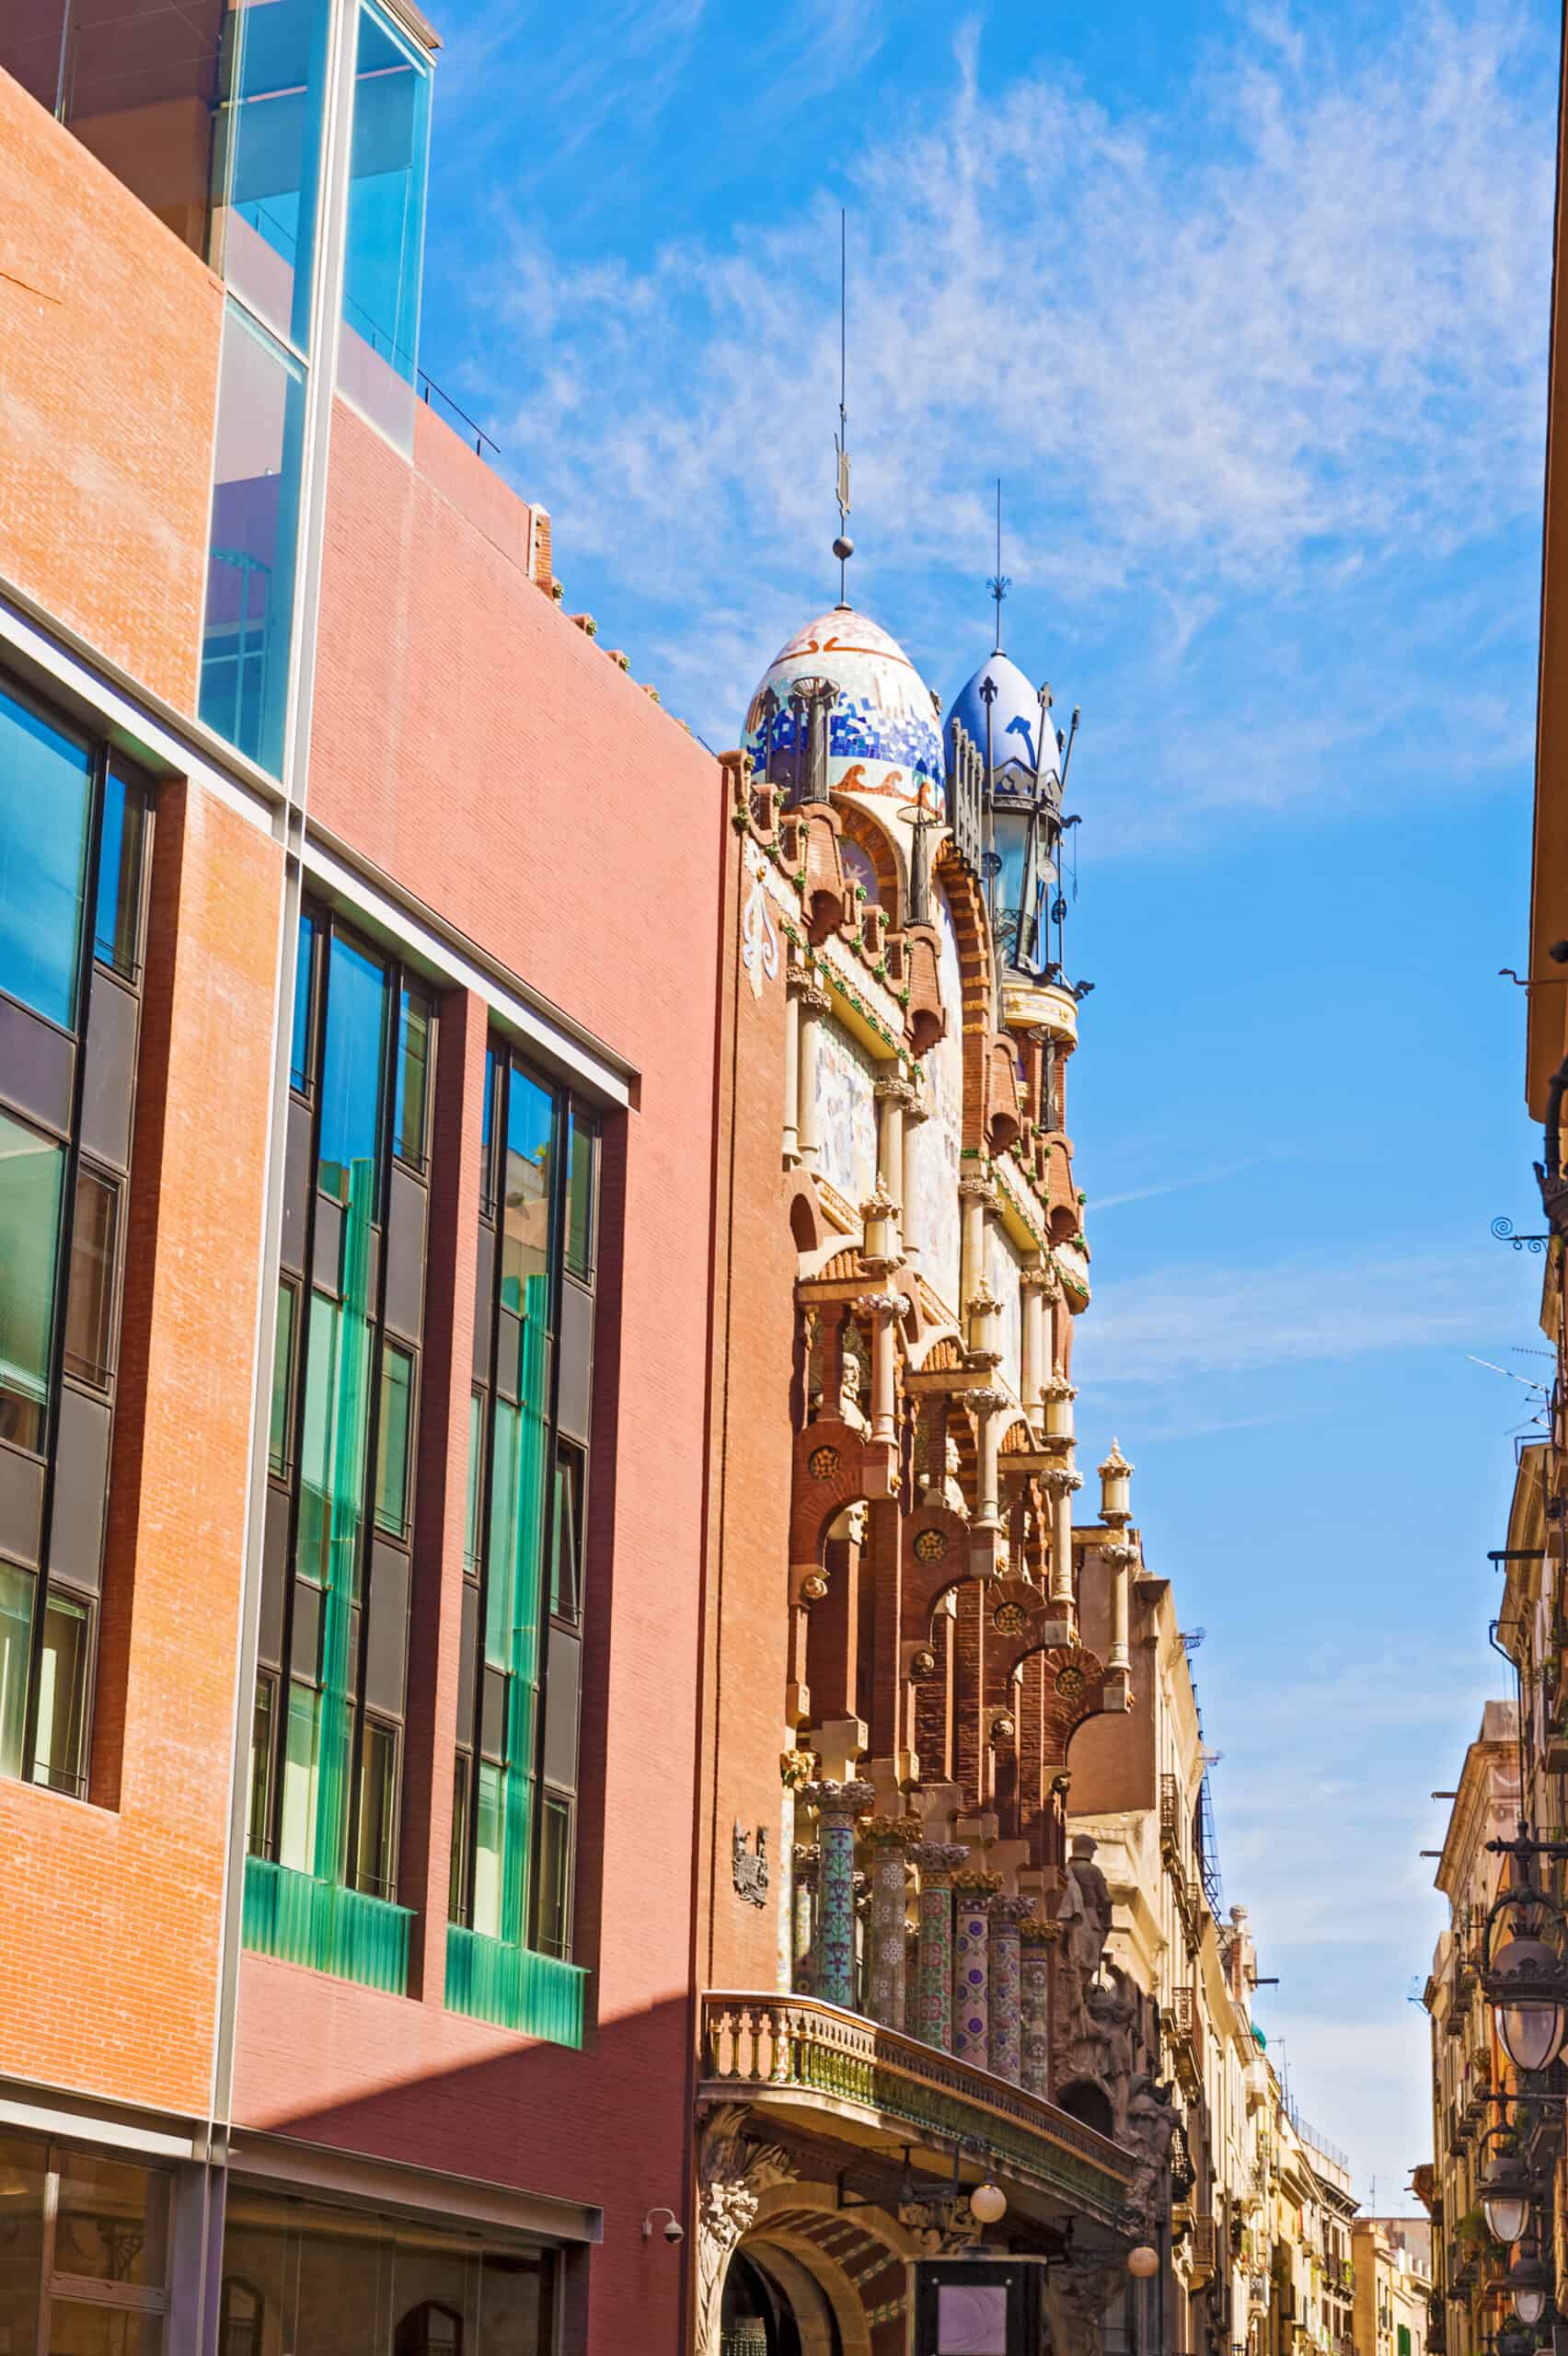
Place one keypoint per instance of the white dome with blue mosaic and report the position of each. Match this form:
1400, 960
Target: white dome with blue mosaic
1015, 724
882, 731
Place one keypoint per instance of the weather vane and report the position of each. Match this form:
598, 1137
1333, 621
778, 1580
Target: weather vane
843, 546
998, 585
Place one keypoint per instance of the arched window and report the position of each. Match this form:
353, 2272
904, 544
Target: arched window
239, 2318
430, 2330
859, 867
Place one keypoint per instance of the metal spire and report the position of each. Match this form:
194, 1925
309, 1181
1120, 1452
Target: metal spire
843, 546
998, 585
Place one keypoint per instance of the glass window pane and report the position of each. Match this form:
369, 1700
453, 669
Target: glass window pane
305, 978
254, 530
555, 1878
379, 344
113, 2221
565, 1535
457, 1885
514, 2312
90, 1305
579, 1193
392, 1441
62, 1693
296, 1831
486, 1856
504, 1528
280, 1447
117, 915
21, 2239
268, 161
77, 2329
352, 1063
32, 1172
376, 1851
411, 1089
45, 786
342, 2291
139, 89
530, 1160
333, 1446
476, 1482
486, 1132
16, 1654
260, 1805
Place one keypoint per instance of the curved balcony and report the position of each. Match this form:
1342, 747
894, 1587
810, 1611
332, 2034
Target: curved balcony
800, 2058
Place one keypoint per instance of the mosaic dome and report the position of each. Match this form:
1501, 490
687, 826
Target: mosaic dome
882, 731
1015, 719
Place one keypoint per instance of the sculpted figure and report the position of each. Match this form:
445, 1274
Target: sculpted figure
1085, 1912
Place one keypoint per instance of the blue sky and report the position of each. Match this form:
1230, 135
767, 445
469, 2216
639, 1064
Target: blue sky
1248, 307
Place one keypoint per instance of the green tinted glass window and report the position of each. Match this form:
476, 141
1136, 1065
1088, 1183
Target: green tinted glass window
32, 1170
117, 915
375, 1862
411, 1090
580, 1182
526, 1211
61, 1694
392, 1441
15, 1648
280, 1449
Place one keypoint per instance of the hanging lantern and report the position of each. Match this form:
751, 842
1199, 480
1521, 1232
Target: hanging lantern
1505, 2192
1530, 2282
1528, 1989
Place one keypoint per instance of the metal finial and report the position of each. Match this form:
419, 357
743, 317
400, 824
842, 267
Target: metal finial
843, 546
998, 585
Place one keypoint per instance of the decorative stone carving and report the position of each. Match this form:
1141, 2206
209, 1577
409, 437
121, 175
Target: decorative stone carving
732, 2175
796, 1769
1149, 2129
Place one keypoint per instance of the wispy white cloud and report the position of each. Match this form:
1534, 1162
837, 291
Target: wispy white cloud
1192, 1321
1180, 1185
1279, 334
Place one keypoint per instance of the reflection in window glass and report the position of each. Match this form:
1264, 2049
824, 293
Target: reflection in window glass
512, 2314
318, 1467
279, 1446
21, 2206
62, 1692
526, 1212
971, 2319
302, 1745
89, 1304
565, 1533
379, 344
259, 1804
412, 1082
554, 1876
487, 1853
16, 1649
255, 520
487, 1134
476, 1482
392, 1441
352, 1060
268, 159
32, 1170
113, 2221
376, 1856
44, 792
118, 911
85, 2330
579, 1193
305, 977
457, 1886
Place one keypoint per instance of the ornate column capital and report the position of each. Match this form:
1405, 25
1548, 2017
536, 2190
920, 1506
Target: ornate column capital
977, 1189
880, 1307
1037, 1931
804, 1864
895, 1088
1121, 1556
1012, 1911
797, 1768
976, 1886
1043, 1279
893, 1832
814, 998
1060, 1480
938, 1861
987, 1402
844, 1801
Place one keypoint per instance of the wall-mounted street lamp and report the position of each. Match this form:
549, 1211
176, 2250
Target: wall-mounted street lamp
1530, 2282
1143, 2263
1505, 2190
1525, 1981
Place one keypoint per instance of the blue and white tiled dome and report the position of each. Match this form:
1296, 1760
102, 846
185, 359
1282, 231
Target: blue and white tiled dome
1015, 722
882, 731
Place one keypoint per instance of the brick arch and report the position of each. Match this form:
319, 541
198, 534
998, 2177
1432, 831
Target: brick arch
862, 829
961, 889
857, 2259
818, 1497
925, 1577
1062, 1713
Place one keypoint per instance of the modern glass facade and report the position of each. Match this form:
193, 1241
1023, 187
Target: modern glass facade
516, 1785
86, 2248
74, 828
326, 1729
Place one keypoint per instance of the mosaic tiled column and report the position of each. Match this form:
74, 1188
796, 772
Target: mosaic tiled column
1005, 2030
911, 2022
838, 1805
889, 1839
803, 1918
1037, 1938
973, 1893
931, 2018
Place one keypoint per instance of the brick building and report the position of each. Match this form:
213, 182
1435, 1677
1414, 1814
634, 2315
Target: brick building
355, 1217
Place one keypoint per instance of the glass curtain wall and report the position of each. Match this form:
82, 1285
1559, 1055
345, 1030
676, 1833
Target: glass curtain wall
327, 1732
268, 227
85, 2245
74, 831
515, 1795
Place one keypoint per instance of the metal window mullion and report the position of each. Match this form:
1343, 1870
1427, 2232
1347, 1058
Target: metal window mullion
122, 2298
84, 962
316, 1040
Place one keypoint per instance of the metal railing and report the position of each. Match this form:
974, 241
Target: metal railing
796, 2049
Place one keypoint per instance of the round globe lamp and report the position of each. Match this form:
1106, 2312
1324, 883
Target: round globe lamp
1143, 2263
1527, 1988
987, 2202
1505, 2196
1530, 2283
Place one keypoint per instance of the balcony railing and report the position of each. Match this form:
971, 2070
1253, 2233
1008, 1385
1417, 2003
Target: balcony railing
1183, 2023
794, 2053
493, 1981
345, 1932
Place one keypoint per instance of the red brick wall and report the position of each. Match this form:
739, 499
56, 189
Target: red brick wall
108, 368
110, 1913
474, 745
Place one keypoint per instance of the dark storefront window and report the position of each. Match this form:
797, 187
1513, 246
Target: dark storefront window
328, 1727
73, 835
305, 2275
84, 2251
514, 1826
